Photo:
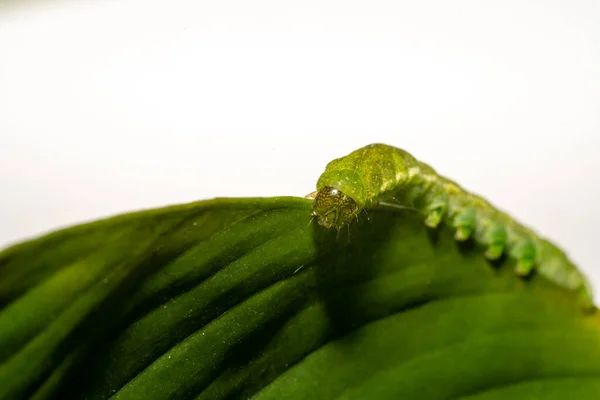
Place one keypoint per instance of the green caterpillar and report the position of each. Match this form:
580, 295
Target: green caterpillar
379, 175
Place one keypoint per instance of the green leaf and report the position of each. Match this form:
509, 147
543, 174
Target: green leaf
247, 298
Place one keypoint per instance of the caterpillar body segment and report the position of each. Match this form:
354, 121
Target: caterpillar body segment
380, 175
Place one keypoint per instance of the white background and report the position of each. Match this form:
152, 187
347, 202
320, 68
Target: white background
113, 106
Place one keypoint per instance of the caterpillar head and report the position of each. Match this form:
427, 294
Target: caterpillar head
333, 208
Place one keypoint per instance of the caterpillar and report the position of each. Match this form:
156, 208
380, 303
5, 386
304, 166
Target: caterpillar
380, 175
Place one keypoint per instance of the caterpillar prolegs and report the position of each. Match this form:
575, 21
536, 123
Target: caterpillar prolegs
380, 175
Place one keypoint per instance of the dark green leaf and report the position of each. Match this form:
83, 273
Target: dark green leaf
240, 298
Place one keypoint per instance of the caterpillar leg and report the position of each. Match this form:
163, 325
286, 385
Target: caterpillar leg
585, 297
525, 254
496, 239
586, 303
436, 212
464, 223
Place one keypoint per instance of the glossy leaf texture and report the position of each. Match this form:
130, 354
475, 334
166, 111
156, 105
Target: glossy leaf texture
247, 298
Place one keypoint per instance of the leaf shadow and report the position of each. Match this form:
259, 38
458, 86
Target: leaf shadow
344, 263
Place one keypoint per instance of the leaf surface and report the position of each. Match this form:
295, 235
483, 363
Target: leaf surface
246, 298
